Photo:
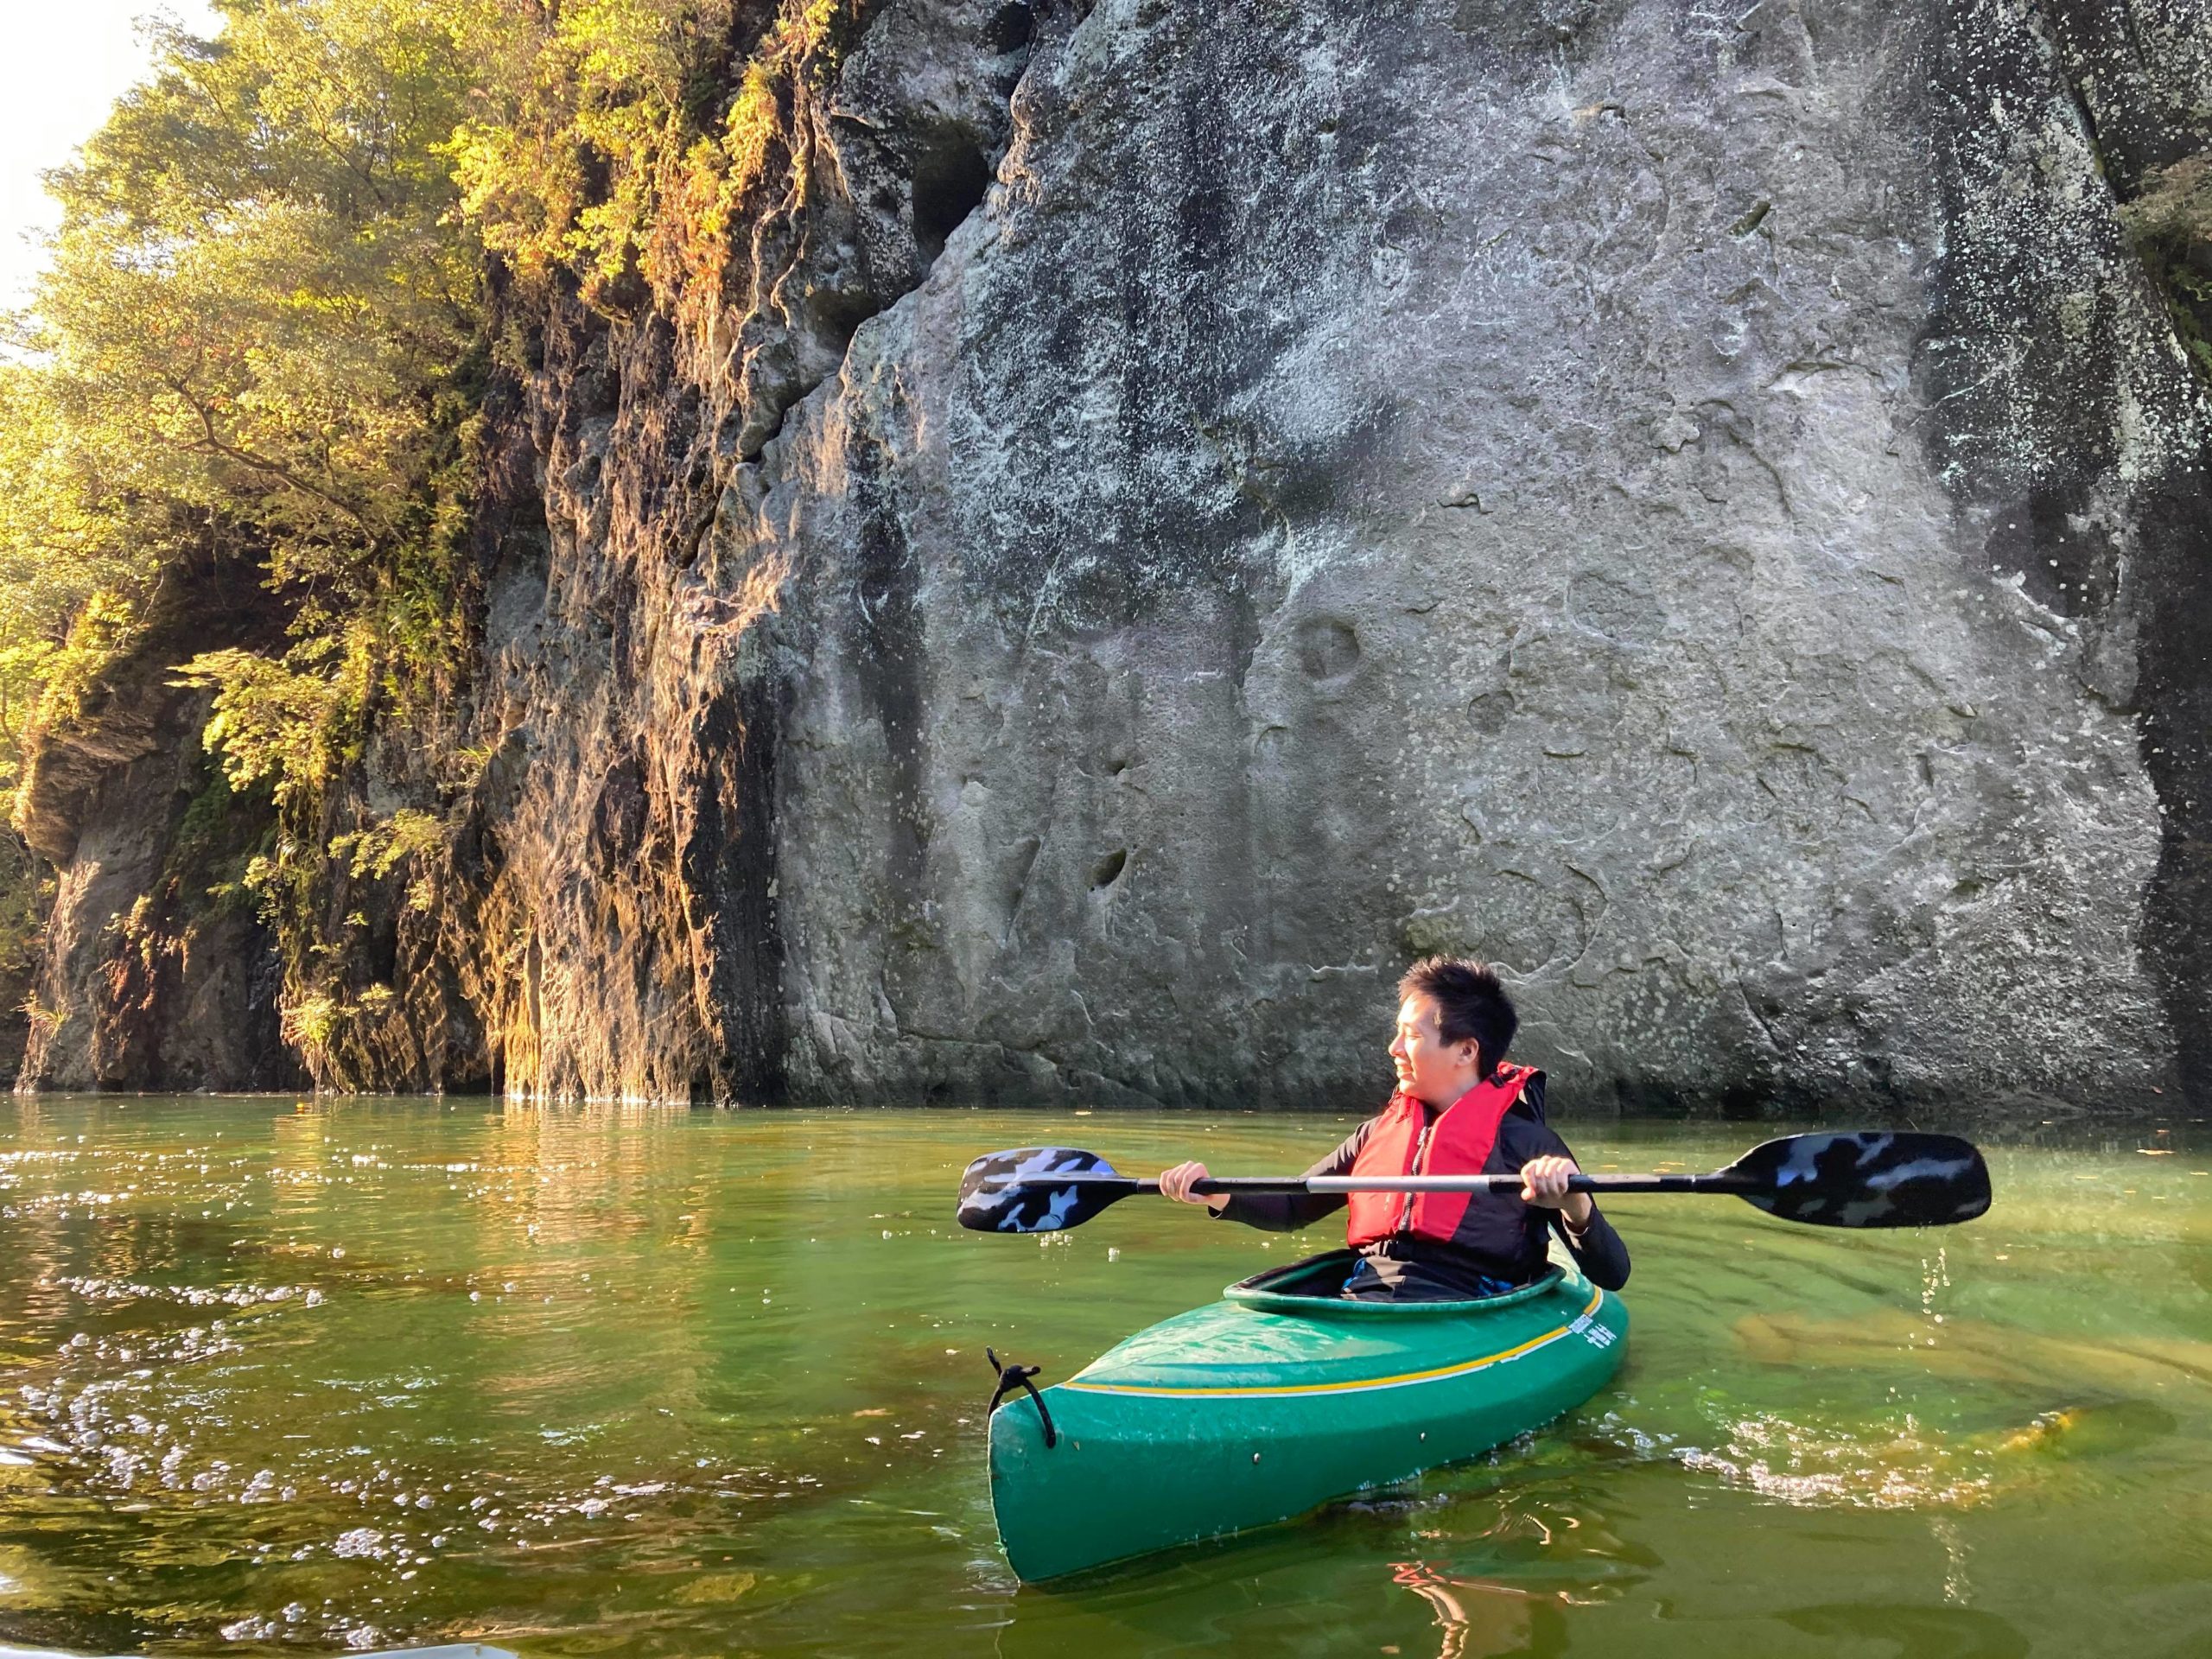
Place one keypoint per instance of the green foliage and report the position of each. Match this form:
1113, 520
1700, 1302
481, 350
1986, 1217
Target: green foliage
310, 1022
222, 829
611, 148
263, 334
71, 574
264, 338
2175, 206
255, 287
251, 343
375, 852
23, 899
272, 720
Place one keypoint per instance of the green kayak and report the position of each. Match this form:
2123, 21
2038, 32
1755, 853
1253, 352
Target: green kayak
1277, 1398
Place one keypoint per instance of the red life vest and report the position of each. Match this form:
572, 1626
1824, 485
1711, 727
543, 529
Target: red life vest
1457, 1143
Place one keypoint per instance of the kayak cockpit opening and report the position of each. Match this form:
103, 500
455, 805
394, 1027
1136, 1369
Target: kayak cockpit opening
1311, 1288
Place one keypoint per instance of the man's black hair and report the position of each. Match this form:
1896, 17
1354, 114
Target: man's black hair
1470, 1002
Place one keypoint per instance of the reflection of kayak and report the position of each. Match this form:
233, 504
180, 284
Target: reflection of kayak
1278, 1398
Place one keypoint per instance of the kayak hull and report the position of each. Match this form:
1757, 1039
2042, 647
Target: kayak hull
1270, 1402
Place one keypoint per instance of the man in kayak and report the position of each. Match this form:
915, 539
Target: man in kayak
1459, 1110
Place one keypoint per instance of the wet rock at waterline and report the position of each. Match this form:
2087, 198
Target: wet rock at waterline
1192, 507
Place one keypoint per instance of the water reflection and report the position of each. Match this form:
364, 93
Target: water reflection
1504, 1619
684, 1384
1913, 1632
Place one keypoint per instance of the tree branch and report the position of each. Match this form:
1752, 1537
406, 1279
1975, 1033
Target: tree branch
212, 440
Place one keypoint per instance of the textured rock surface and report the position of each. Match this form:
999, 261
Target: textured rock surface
147, 984
1705, 508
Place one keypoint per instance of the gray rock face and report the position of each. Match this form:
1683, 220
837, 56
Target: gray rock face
1684, 506
1705, 509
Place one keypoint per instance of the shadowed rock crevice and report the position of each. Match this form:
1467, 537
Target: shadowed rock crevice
889, 655
2065, 412
158, 972
2177, 752
729, 865
2140, 72
950, 181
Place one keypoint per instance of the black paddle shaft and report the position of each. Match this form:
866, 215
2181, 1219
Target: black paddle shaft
1131, 1186
1864, 1179
1720, 1181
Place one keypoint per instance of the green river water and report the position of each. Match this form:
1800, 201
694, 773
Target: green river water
280, 1376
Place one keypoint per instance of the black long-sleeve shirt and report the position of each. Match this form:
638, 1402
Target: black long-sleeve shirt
1503, 1238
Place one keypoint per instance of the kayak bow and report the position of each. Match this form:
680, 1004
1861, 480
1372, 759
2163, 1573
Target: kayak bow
1277, 1398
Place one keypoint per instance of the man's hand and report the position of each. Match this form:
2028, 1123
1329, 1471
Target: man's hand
1543, 1183
1176, 1184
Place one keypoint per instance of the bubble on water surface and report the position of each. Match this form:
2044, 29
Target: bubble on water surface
1863, 1467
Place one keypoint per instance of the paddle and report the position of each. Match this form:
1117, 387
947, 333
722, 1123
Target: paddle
1867, 1179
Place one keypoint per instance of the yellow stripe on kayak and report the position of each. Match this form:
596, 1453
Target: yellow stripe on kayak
1459, 1369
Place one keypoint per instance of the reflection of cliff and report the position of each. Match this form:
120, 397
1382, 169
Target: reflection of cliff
40, 1238
1183, 509
464, 1367
540, 1258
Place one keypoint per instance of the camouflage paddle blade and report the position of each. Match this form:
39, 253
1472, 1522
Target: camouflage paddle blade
1865, 1181
1024, 1191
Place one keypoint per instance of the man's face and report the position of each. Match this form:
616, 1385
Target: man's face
1428, 1068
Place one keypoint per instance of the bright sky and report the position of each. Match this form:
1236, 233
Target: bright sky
64, 62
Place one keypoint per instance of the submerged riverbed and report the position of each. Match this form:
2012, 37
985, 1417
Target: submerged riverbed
659, 1382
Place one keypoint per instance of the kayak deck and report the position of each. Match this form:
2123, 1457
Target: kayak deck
1275, 1399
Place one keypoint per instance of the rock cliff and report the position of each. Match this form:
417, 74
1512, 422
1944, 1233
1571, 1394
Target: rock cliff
1180, 508
158, 973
